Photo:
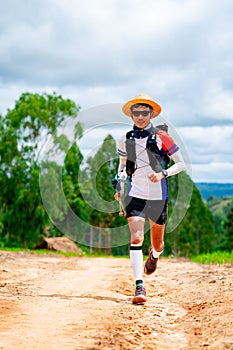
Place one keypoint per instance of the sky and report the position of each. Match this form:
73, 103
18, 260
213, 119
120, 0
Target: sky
104, 52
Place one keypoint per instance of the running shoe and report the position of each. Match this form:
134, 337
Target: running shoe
140, 295
150, 265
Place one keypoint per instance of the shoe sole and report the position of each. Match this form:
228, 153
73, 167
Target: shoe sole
148, 273
139, 299
145, 269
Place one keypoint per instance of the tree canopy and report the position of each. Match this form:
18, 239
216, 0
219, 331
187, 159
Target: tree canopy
24, 130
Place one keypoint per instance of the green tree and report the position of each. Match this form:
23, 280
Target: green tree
103, 209
220, 209
196, 233
229, 229
24, 129
71, 186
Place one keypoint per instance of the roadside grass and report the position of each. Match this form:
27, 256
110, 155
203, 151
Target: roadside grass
218, 257
38, 251
85, 252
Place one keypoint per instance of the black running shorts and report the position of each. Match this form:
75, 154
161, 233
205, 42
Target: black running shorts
156, 210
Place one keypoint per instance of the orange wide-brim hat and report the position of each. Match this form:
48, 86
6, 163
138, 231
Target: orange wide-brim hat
142, 98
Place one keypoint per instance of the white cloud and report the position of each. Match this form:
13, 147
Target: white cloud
210, 151
208, 144
213, 172
220, 102
106, 52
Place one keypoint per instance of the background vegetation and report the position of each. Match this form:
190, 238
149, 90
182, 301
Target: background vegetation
207, 226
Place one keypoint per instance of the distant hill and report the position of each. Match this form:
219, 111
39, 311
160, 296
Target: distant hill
219, 190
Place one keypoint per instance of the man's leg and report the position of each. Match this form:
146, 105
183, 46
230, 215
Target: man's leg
157, 238
157, 246
136, 227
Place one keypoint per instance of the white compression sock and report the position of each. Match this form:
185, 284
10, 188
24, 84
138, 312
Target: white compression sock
155, 253
136, 258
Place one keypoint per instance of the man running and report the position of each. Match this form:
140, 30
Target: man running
143, 154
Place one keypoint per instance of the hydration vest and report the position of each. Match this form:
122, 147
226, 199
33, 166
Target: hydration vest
158, 159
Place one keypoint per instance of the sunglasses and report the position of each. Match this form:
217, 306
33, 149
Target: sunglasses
143, 113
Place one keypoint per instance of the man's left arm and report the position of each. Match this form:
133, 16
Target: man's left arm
173, 151
178, 166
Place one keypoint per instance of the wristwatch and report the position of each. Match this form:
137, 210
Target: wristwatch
165, 173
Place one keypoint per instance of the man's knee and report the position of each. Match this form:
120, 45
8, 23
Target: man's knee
137, 236
137, 240
136, 225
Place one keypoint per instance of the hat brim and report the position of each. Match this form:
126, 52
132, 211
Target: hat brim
156, 107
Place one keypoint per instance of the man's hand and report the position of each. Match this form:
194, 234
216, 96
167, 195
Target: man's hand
119, 195
155, 177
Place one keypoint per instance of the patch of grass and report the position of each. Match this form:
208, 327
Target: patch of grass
218, 257
39, 251
10, 249
86, 252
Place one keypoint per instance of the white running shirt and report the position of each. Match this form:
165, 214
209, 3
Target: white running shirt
141, 186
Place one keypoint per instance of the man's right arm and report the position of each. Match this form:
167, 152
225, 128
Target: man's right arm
122, 176
121, 173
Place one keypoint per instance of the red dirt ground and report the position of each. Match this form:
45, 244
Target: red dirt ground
52, 302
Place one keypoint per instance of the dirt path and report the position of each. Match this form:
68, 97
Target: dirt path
59, 303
